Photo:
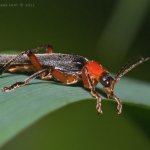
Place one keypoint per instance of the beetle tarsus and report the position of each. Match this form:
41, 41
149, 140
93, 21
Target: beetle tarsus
119, 106
98, 108
26, 81
14, 86
98, 101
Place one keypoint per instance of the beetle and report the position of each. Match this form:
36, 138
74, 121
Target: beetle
68, 69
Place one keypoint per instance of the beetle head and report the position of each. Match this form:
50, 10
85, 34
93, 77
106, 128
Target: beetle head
106, 79
108, 83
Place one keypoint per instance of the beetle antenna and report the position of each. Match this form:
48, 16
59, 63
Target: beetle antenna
131, 64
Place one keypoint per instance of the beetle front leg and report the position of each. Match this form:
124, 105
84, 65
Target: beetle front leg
119, 107
110, 94
40, 73
98, 101
90, 84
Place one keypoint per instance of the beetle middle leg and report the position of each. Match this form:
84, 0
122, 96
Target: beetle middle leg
64, 78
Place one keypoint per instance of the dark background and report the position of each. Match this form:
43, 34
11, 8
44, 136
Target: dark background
110, 32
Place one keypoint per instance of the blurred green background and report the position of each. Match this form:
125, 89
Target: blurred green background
111, 32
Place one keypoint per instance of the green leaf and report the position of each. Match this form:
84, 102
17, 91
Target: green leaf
24, 106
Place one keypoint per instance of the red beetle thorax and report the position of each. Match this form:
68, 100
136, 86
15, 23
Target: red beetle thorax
94, 69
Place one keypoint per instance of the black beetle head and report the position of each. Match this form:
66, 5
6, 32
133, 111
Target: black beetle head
106, 80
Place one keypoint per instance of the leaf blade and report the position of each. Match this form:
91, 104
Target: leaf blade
24, 106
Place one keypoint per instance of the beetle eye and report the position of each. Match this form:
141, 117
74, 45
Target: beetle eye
106, 80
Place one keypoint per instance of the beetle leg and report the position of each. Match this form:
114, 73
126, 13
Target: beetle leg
21, 68
90, 84
49, 49
31, 56
65, 78
119, 107
26, 81
110, 94
7, 65
45, 74
34, 60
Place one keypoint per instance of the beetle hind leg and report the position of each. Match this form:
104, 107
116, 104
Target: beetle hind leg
45, 74
42, 73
